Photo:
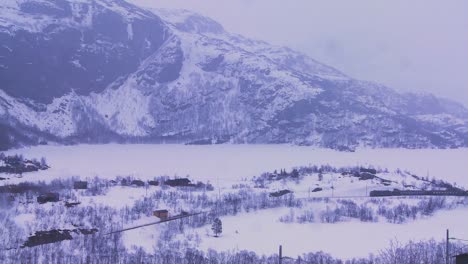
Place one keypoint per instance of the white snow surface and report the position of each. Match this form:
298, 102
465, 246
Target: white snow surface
231, 163
261, 232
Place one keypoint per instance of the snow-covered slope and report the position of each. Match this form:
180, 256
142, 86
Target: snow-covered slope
105, 70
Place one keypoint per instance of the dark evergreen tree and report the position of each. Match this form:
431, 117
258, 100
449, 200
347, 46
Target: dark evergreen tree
294, 173
217, 227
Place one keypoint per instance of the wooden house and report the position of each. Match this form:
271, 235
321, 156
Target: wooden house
48, 197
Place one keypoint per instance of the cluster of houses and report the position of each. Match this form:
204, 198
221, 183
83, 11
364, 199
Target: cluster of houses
53, 197
17, 164
83, 185
47, 193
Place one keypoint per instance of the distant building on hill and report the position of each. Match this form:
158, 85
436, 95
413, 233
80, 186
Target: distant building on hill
179, 182
153, 183
80, 185
138, 183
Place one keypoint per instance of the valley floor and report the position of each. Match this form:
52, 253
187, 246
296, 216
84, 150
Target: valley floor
234, 171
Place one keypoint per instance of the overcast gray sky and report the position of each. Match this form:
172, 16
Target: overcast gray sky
417, 45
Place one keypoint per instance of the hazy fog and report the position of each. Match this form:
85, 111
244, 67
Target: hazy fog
419, 45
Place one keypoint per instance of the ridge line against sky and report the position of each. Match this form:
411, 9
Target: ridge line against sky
411, 46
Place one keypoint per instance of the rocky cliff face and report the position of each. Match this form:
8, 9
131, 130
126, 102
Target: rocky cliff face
105, 70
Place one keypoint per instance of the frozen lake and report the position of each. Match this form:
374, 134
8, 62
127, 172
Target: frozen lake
233, 162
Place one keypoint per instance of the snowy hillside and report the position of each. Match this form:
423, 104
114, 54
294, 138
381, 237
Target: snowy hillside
102, 71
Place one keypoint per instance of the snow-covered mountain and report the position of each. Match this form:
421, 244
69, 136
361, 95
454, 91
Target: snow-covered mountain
106, 70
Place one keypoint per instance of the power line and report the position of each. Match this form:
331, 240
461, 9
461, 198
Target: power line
459, 239
155, 223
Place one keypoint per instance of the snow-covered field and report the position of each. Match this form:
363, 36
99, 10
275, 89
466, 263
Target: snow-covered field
262, 232
259, 230
231, 163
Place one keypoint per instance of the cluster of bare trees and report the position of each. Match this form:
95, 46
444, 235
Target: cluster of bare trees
96, 249
373, 210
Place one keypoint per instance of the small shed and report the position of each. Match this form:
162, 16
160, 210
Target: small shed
48, 197
318, 189
461, 259
80, 185
71, 204
162, 214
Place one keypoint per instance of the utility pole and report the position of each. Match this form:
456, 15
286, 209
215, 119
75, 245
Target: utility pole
447, 249
280, 254
219, 195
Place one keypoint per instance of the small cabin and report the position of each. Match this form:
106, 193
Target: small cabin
47, 237
138, 183
161, 214
125, 182
153, 183
48, 197
80, 185
461, 259
279, 193
364, 176
179, 182
368, 170
112, 183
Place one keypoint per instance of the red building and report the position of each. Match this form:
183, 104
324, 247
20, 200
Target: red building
162, 214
